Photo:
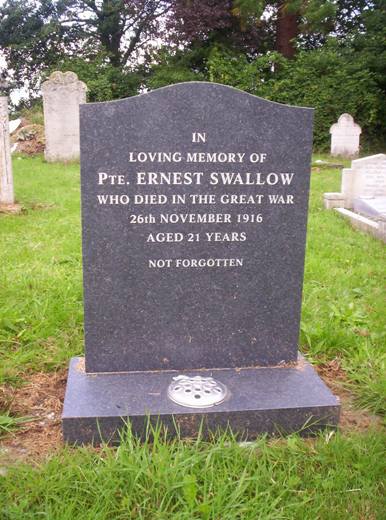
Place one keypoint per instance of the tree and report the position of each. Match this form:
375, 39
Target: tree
251, 26
103, 39
330, 79
287, 29
38, 34
237, 24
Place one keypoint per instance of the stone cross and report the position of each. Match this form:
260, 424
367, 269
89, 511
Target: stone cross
345, 137
7, 197
62, 95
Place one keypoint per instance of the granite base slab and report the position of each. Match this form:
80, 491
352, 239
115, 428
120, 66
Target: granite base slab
274, 400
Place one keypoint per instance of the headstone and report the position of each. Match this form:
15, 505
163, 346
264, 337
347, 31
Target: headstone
7, 197
366, 178
194, 210
62, 95
345, 137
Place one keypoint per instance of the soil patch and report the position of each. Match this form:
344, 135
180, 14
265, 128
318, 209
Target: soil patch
352, 418
41, 398
29, 138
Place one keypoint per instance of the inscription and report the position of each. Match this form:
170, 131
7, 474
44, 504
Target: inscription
196, 262
127, 192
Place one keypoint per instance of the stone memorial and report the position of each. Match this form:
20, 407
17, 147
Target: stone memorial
62, 95
7, 195
345, 136
194, 214
363, 195
366, 178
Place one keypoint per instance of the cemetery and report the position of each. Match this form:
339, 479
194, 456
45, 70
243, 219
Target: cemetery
192, 265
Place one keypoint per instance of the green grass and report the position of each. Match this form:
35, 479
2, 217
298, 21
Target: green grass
40, 273
8, 423
343, 312
332, 478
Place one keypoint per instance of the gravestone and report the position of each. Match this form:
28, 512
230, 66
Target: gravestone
62, 95
345, 136
194, 212
7, 195
363, 195
365, 179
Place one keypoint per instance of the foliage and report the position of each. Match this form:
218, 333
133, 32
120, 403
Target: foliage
175, 67
330, 79
103, 80
8, 423
32, 112
212, 22
31, 38
36, 35
369, 48
113, 45
351, 14
247, 25
334, 477
344, 73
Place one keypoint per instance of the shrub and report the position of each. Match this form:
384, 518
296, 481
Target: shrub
104, 82
330, 79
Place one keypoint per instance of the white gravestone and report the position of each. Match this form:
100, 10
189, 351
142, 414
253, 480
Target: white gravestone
364, 191
62, 95
6, 178
345, 137
365, 179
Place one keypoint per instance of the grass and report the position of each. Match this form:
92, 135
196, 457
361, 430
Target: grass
40, 274
9, 424
343, 312
335, 476
332, 478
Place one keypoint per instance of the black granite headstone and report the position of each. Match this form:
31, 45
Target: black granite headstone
194, 210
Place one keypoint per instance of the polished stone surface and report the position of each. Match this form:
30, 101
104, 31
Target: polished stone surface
269, 400
140, 318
